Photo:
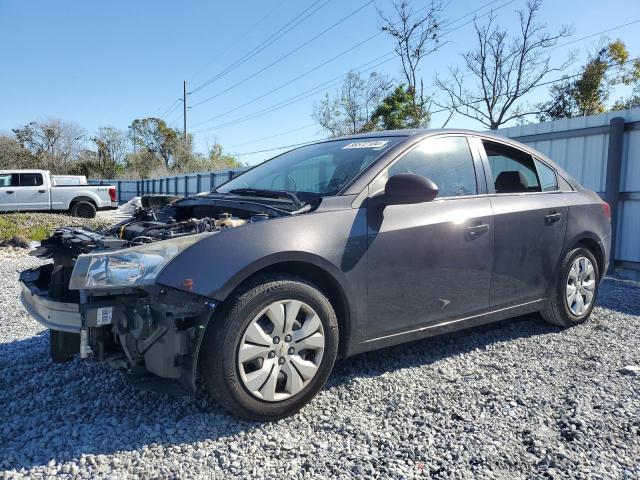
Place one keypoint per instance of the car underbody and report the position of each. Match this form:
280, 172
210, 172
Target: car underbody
150, 333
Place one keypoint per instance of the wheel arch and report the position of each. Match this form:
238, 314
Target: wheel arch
82, 198
326, 283
591, 243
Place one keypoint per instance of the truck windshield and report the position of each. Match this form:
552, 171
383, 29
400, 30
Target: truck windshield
308, 172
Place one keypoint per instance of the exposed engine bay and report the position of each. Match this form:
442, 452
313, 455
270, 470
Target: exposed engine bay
160, 218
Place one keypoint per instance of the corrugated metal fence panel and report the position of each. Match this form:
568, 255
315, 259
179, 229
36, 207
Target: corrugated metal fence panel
630, 174
628, 244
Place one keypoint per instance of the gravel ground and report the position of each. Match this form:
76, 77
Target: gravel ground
517, 399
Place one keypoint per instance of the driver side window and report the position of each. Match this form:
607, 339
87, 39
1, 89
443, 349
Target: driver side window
445, 160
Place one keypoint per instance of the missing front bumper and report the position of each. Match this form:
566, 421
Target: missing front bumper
154, 333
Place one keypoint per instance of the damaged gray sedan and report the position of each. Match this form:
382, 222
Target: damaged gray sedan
326, 251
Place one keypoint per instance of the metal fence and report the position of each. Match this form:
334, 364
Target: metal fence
186, 184
601, 151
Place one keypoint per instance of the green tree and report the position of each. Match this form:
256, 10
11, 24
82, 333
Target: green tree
399, 110
156, 137
588, 94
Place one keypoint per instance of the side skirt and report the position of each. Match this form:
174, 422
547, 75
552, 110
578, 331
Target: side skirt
449, 326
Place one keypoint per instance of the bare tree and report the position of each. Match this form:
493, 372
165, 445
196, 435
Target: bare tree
54, 143
504, 70
349, 110
416, 35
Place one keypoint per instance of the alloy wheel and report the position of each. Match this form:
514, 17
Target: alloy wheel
580, 286
281, 350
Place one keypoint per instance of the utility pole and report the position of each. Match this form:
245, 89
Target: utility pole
184, 106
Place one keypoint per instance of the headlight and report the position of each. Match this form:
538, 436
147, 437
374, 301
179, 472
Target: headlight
129, 267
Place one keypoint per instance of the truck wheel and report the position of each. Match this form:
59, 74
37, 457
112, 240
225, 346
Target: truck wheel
83, 210
270, 348
576, 290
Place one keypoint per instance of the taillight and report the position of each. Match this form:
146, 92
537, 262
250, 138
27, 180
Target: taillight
607, 210
112, 194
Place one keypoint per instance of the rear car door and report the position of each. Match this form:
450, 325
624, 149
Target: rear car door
530, 215
8, 187
429, 262
32, 194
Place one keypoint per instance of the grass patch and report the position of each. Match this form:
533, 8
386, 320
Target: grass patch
38, 226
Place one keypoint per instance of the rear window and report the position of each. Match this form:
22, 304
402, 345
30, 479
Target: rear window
30, 179
513, 170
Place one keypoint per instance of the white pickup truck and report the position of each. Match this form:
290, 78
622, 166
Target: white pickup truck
27, 190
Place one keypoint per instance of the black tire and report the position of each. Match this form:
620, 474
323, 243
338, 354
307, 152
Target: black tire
83, 210
558, 311
218, 359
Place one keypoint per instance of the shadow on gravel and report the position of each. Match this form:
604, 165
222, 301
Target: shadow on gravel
620, 296
53, 412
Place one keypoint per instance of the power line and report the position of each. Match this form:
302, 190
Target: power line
297, 20
238, 38
286, 55
304, 127
264, 44
344, 52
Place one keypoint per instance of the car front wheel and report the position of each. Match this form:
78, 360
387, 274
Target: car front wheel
270, 348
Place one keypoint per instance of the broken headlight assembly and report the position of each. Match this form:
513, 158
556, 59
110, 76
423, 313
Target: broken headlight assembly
130, 267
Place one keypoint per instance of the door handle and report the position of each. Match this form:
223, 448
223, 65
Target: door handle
476, 230
42, 191
9, 191
552, 218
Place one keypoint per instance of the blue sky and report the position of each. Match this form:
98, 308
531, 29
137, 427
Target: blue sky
107, 63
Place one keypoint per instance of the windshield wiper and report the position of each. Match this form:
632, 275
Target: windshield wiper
256, 192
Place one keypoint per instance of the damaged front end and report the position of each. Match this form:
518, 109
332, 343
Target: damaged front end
99, 297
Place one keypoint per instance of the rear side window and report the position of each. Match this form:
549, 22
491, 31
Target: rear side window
548, 179
9, 180
445, 160
30, 179
513, 170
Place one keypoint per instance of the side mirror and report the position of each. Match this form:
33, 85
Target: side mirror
407, 188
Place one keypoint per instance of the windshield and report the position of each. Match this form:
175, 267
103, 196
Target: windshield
308, 172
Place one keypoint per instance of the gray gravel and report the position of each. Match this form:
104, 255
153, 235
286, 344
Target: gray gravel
517, 399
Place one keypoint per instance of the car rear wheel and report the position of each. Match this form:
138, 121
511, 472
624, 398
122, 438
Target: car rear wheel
83, 210
270, 348
576, 290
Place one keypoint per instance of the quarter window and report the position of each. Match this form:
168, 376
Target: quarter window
30, 179
445, 160
513, 170
548, 180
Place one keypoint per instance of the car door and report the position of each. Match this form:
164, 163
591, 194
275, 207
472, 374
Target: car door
8, 186
430, 262
530, 216
32, 194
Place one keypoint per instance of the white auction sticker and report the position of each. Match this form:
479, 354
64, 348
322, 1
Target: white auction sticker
104, 316
367, 144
